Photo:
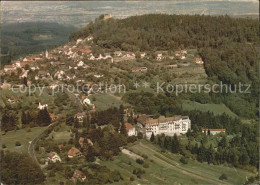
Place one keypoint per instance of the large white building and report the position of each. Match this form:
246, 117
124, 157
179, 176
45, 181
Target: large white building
162, 125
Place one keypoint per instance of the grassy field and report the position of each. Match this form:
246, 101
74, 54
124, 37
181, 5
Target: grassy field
165, 168
105, 101
23, 136
215, 108
61, 135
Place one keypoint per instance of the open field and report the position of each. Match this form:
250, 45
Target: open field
105, 101
215, 108
61, 135
23, 136
165, 168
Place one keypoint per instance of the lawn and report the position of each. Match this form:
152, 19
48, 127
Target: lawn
217, 109
165, 168
23, 136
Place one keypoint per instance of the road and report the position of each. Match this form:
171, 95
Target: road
32, 145
35, 140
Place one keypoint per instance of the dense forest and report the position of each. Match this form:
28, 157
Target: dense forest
228, 47
21, 39
20, 169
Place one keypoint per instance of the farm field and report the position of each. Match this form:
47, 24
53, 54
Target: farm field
165, 168
23, 136
217, 109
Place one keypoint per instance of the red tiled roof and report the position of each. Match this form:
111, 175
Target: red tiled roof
128, 126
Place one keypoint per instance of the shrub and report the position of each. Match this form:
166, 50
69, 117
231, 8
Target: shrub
223, 177
146, 165
139, 161
17, 143
3, 146
132, 178
183, 160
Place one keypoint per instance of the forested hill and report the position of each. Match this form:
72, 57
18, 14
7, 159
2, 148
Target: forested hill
163, 32
228, 46
21, 39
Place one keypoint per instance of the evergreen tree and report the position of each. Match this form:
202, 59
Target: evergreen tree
152, 137
46, 116
24, 118
123, 129
175, 144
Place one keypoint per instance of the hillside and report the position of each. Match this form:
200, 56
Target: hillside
228, 47
21, 39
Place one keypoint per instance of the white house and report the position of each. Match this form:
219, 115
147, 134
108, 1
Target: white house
78, 41
87, 101
24, 74
159, 57
53, 85
59, 74
42, 105
89, 38
130, 129
142, 55
54, 157
199, 61
98, 76
162, 125
9, 68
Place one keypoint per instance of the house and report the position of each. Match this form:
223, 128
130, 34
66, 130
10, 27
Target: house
9, 68
78, 41
159, 57
53, 117
80, 64
181, 54
82, 80
162, 125
142, 55
71, 77
87, 101
60, 146
74, 152
54, 157
98, 76
91, 57
199, 61
53, 85
42, 105
5, 86
212, 131
79, 175
79, 116
130, 129
59, 74
11, 101
24, 74
89, 38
